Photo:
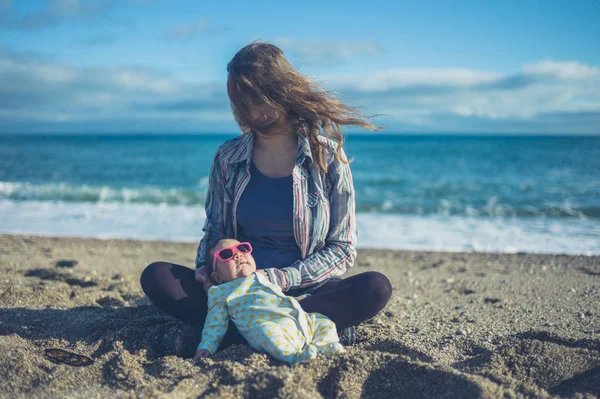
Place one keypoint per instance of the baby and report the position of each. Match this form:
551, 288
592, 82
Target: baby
270, 321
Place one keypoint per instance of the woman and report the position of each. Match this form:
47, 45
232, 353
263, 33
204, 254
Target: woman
287, 190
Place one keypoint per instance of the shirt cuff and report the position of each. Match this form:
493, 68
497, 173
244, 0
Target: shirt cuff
285, 278
210, 348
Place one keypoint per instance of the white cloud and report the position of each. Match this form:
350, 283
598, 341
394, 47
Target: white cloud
37, 93
572, 70
202, 26
403, 78
68, 7
544, 88
324, 52
135, 79
463, 110
54, 12
54, 73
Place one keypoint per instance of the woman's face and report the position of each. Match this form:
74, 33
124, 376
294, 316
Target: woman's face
263, 115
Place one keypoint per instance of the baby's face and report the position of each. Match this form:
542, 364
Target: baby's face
241, 265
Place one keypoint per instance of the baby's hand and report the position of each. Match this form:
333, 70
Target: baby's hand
201, 353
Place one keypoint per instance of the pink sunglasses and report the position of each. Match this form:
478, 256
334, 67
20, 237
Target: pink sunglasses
225, 254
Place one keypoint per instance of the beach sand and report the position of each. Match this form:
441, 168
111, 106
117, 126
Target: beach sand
458, 325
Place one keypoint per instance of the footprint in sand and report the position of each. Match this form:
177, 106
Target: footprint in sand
46, 274
389, 376
540, 359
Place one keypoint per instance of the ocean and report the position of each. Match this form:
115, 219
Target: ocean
425, 192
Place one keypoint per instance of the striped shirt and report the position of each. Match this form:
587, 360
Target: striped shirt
324, 216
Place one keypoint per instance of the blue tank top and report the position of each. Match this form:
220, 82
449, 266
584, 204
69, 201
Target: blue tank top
265, 216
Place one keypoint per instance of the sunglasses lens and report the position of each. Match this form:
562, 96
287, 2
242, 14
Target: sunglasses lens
225, 254
245, 248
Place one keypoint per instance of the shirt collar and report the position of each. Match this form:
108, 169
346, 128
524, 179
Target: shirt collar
247, 142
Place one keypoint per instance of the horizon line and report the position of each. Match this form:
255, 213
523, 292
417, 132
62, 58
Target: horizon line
379, 134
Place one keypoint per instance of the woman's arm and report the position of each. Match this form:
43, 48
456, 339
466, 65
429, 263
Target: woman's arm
339, 252
214, 226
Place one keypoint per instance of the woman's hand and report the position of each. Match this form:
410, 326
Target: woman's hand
264, 273
201, 353
202, 275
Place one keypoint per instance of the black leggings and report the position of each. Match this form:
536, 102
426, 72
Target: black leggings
348, 302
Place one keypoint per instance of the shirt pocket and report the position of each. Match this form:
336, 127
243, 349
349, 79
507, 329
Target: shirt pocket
313, 199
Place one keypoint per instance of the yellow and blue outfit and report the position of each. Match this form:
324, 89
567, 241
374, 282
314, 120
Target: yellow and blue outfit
270, 321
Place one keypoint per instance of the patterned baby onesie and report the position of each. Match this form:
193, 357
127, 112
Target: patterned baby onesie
270, 321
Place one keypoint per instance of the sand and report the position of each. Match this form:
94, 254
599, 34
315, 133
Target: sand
459, 325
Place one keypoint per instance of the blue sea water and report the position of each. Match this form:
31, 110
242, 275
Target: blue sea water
455, 193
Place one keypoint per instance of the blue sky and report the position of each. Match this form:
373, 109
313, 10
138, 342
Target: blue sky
428, 66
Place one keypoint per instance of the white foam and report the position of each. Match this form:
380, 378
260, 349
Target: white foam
25, 191
103, 220
462, 233
184, 223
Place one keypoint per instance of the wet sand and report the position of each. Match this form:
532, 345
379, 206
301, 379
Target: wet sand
458, 325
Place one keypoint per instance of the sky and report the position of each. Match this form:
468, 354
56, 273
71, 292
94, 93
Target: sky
154, 66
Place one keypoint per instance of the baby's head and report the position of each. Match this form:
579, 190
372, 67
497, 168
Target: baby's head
231, 260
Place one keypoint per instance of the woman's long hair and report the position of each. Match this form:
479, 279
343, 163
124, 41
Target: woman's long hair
260, 74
